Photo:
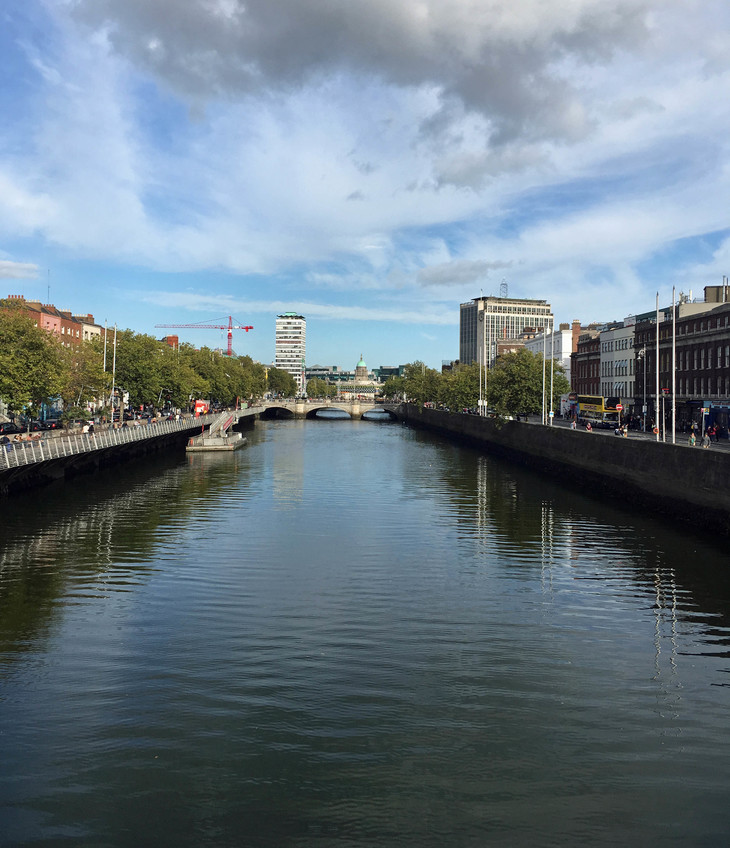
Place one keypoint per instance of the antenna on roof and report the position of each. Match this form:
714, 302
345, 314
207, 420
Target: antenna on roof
504, 289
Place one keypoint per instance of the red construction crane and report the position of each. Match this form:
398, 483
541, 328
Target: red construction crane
230, 326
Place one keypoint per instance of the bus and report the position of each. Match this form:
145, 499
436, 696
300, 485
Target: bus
600, 411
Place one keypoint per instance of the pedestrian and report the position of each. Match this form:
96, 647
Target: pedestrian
712, 433
91, 428
589, 429
572, 424
692, 439
706, 440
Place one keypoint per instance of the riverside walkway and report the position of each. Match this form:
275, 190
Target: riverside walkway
28, 452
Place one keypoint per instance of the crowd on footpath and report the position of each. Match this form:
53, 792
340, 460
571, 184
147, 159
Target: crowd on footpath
88, 429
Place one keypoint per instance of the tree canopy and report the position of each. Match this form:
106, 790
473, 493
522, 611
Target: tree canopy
281, 382
512, 386
35, 367
32, 362
317, 387
515, 383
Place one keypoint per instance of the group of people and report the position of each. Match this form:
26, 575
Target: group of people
7, 442
706, 441
708, 437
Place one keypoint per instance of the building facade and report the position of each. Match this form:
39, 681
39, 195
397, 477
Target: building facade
618, 363
701, 352
487, 322
586, 364
557, 345
291, 347
71, 330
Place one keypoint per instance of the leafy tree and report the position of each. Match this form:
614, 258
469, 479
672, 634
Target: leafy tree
459, 389
394, 387
254, 375
515, 382
281, 382
318, 387
421, 383
85, 379
138, 367
32, 361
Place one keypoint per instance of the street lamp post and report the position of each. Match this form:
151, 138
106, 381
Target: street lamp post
642, 354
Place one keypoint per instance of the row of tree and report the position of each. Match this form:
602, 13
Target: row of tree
513, 386
36, 368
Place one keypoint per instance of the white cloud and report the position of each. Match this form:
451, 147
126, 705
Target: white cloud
196, 302
18, 270
380, 148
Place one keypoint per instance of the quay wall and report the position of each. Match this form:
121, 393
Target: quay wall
24, 472
676, 481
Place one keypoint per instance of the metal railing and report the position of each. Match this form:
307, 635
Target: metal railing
27, 452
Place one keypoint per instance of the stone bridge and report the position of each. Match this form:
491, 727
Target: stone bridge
309, 407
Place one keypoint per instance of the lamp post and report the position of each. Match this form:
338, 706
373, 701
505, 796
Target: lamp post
642, 354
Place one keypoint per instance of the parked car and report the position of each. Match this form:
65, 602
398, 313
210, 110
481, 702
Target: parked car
9, 428
51, 424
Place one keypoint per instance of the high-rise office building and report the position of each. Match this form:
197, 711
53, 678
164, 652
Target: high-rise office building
291, 346
485, 321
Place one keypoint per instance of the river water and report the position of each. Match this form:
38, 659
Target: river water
355, 634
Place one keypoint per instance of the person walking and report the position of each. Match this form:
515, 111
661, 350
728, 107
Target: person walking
692, 441
589, 428
706, 440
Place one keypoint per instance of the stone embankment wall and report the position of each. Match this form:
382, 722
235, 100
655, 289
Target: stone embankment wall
690, 484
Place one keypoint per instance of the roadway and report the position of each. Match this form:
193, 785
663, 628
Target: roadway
681, 438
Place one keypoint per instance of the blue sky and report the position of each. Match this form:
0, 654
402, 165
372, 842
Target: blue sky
368, 164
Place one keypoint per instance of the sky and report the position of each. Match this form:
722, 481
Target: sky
370, 164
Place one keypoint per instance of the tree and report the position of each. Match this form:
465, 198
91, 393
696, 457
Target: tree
317, 387
32, 362
515, 383
139, 360
459, 389
85, 379
394, 387
281, 382
421, 383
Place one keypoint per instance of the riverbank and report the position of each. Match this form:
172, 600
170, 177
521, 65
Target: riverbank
682, 483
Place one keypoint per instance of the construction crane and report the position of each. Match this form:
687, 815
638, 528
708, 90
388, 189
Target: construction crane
230, 326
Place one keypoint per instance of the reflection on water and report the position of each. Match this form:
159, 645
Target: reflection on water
352, 634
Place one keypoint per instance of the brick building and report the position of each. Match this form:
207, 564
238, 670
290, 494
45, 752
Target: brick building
70, 329
585, 370
702, 352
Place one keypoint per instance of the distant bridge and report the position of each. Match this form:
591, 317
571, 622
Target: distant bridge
308, 408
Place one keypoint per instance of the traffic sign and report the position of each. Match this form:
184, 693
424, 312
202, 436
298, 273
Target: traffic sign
619, 406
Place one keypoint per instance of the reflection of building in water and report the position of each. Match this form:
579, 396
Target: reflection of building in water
288, 473
665, 621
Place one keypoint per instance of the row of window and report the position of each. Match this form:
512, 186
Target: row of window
617, 344
617, 367
697, 359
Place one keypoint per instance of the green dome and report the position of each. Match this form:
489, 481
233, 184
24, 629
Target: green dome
361, 363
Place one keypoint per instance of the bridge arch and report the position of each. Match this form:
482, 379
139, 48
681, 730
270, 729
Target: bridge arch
379, 412
273, 412
312, 413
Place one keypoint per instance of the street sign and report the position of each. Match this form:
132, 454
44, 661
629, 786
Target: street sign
619, 406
